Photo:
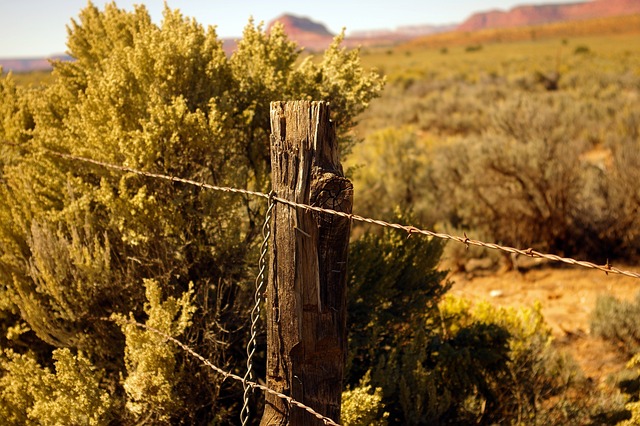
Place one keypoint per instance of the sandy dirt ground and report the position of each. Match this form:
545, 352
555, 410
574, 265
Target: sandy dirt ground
568, 296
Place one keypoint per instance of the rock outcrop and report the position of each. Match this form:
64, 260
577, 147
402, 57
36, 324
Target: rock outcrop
547, 13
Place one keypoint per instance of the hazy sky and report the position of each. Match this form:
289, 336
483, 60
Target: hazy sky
32, 28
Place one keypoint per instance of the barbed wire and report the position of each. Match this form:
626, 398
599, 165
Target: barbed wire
607, 268
529, 252
226, 374
158, 175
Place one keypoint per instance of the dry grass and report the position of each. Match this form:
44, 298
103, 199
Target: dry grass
510, 51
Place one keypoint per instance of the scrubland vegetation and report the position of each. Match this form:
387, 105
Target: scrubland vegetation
79, 244
530, 143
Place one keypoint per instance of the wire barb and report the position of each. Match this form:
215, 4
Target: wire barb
464, 240
255, 312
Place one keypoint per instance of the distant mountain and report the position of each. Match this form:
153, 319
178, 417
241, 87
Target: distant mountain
315, 36
310, 34
30, 64
548, 13
400, 34
595, 27
301, 25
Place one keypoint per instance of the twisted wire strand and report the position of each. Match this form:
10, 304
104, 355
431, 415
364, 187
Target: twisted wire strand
255, 312
227, 374
607, 268
158, 175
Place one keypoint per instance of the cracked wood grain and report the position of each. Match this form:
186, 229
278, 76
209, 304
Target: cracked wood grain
306, 348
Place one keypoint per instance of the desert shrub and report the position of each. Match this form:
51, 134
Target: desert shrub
548, 80
619, 223
32, 78
633, 405
397, 154
536, 384
461, 102
75, 393
521, 182
31, 394
434, 104
16, 121
439, 360
450, 113
150, 361
78, 242
362, 405
617, 320
581, 50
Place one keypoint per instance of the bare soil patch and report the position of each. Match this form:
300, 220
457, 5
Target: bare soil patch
568, 296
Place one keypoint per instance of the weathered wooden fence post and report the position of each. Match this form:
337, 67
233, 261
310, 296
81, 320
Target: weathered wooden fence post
306, 292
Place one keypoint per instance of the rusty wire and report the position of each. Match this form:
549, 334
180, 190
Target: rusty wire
607, 268
225, 374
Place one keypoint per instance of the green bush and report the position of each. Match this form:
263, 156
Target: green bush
393, 286
618, 321
521, 183
361, 407
633, 405
581, 50
473, 48
537, 384
439, 360
78, 242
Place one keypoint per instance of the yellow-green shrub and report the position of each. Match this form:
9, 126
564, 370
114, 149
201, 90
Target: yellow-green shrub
150, 359
634, 404
31, 394
548, 162
77, 241
362, 405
